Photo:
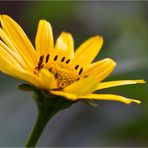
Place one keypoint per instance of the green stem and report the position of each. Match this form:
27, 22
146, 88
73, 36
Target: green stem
40, 124
47, 108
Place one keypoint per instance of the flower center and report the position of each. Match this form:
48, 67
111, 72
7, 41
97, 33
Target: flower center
65, 74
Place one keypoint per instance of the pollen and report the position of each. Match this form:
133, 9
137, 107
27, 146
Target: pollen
65, 74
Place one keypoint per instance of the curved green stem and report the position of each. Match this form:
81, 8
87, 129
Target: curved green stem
38, 128
48, 106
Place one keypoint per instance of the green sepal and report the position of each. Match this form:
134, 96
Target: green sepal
45, 99
26, 87
91, 103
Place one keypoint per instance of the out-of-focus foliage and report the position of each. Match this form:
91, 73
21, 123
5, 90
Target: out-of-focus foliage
124, 28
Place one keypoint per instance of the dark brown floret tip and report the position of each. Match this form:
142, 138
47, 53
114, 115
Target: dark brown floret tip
81, 70
41, 60
76, 67
40, 65
50, 69
68, 61
56, 75
85, 76
77, 79
56, 57
62, 60
47, 58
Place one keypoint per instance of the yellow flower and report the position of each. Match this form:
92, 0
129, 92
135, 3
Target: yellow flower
57, 68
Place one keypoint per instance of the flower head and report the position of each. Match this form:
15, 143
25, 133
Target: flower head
57, 68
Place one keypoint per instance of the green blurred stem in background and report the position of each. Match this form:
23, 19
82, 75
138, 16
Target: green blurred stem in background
47, 105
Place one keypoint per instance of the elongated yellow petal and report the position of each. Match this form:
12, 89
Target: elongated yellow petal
117, 83
66, 44
8, 42
8, 57
69, 96
12, 54
86, 53
111, 97
97, 67
28, 77
19, 39
8, 67
106, 72
82, 87
44, 38
47, 79
9, 47
101, 69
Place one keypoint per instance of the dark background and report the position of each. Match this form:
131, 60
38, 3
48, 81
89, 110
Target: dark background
124, 26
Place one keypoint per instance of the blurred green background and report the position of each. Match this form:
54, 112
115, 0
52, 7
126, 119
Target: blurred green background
124, 26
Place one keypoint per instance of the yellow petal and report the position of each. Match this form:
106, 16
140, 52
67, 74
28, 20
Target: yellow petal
12, 55
82, 87
86, 53
28, 77
109, 97
47, 79
66, 44
4, 55
19, 39
9, 47
5, 38
8, 67
117, 83
101, 69
44, 38
69, 96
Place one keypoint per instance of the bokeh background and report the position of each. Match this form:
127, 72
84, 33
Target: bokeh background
124, 26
